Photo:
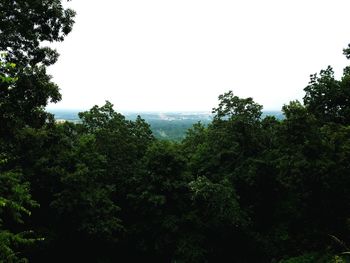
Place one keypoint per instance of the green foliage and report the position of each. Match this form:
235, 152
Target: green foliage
328, 98
5, 70
231, 106
22, 35
308, 258
244, 188
218, 201
86, 190
22, 102
15, 204
15, 199
174, 130
25, 90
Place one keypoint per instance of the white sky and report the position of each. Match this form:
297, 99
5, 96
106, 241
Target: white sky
179, 55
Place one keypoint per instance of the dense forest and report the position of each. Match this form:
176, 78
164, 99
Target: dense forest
243, 188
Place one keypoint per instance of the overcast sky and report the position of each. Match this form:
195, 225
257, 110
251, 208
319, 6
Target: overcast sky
179, 55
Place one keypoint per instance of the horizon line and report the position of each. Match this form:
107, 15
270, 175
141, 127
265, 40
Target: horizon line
147, 111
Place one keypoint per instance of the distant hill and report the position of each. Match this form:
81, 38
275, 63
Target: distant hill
165, 125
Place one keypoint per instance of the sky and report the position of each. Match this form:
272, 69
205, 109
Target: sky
180, 55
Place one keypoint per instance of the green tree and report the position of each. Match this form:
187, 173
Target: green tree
24, 26
15, 198
218, 157
86, 207
26, 90
15, 205
89, 171
327, 98
160, 204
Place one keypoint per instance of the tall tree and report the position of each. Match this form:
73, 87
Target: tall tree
24, 26
15, 198
328, 98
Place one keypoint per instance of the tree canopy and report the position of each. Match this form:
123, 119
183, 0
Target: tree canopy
243, 188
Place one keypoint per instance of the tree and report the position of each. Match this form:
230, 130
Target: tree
25, 89
91, 169
116, 136
15, 198
24, 26
327, 98
15, 205
160, 203
231, 106
234, 133
86, 206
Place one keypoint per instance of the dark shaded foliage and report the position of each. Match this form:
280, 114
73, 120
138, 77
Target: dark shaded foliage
243, 188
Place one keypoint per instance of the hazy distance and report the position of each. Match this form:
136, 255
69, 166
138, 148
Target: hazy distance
180, 55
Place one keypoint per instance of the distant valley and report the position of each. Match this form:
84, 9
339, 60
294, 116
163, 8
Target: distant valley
164, 125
